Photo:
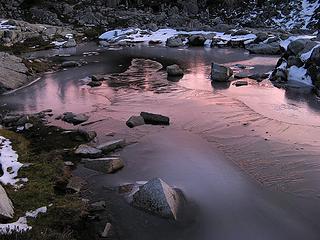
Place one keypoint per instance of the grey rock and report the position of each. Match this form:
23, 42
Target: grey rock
13, 72
106, 230
97, 78
174, 42
111, 145
294, 61
315, 56
264, 48
86, 150
135, 121
98, 206
159, 198
301, 45
75, 184
259, 76
27, 126
174, 71
155, 119
70, 64
220, 73
197, 40
75, 119
106, 165
70, 43
241, 75
6, 206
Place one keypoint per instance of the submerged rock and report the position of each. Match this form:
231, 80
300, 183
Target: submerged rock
159, 198
69, 64
75, 119
6, 206
241, 83
105, 165
94, 84
220, 73
135, 121
155, 119
174, 71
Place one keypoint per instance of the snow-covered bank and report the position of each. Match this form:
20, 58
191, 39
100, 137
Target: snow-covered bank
9, 164
21, 225
4, 25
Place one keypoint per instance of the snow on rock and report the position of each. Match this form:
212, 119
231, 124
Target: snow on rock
9, 164
306, 56
5, 26
161, 35
285, 43
21, 225
299, 76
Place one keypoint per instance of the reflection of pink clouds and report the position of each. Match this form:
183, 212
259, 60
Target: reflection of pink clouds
265, 61
63, 97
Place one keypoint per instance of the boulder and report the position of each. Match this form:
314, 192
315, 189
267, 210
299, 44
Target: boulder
174, 42
13, 72
111, 145
197, 40
155, 119
315, 56
105, 165
174, 71
264, 48
70, 64
86, 150
75, 119
6, 206
294, 61
220, 73
70, 43
159, 198
299, 46
135, 121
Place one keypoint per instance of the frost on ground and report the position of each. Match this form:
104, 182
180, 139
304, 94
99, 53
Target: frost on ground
137, 35
9, 164
22, 224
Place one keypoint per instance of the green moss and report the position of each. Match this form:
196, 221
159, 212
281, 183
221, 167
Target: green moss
65, 218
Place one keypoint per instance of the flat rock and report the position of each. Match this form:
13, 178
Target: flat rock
220, 73
75, 184
264, 48
106, 230
94, 84
155, 119
73, 118
69, 64
111, 145
241, 83
135, 121
241, 75
174, 42
105, 165
159, 198
87, 150
6, 206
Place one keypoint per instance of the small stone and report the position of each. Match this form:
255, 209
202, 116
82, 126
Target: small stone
69, 64
98, 206
70, 43
69, 164
174, 71
220, 73
135, 121
27, 126
106, 231
75, 184
94, 84
240, 83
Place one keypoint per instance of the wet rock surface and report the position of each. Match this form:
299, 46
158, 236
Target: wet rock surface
220, 73
155, 119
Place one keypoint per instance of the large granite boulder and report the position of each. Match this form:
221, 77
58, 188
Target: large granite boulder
159, 198
264, 48
105, 165
13, 72
6, 206
174, 42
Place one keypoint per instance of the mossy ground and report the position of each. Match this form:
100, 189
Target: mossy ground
45, 148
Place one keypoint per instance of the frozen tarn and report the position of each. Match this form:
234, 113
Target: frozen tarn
285, 43
161, 35
22, 224
299, 76
9, 164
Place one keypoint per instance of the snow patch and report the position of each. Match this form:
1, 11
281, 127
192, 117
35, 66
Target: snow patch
9, 164
305, 56
299, 76
285, 43
5, 26
22, 224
